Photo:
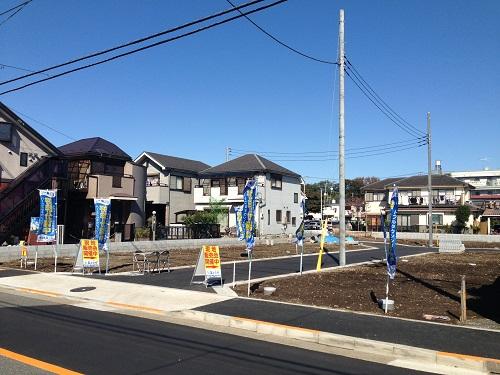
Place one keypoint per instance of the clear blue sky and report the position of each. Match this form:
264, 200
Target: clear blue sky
233, 86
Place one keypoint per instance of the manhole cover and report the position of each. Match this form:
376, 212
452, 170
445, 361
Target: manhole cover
83, 289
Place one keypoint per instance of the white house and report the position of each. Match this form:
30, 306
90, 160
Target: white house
447, 194
278, 192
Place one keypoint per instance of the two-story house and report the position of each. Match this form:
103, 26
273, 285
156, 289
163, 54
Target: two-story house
169, 186
447, 194
98, 168
278, 192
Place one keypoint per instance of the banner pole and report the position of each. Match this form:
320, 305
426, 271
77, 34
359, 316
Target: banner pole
234, 273
249, 272
301, 257
386, 294
36, 255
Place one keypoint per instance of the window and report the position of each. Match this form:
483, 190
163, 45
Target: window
288, 217
276, 182
437, 219
205, 183
153, 180
295, 197
241, 185
5, 132
268, 217
176, 183
117, 181
377, 197
278, 216
369, 197
187, 185
23, 159
294, 221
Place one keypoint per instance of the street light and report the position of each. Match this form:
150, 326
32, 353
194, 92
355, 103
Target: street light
153, 225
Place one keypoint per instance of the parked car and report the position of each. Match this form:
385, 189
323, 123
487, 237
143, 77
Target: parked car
312, 225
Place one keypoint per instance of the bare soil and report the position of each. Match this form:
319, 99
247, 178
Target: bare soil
428, 284
121, 262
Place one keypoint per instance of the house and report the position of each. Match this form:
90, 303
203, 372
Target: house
169, 185
98, 168
486, 194
278, 192
21, 147
447, 194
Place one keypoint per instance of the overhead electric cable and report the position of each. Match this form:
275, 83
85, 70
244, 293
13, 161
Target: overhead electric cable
137, 41
20, 8
17, 6
22, 69
382, 101
325, 152
388, 115
145, 47
307, 56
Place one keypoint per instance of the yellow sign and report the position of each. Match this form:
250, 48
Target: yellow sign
24, 250
321, 244
212, 262
90, 253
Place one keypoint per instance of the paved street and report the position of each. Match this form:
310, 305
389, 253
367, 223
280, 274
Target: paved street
92, 342
181, 278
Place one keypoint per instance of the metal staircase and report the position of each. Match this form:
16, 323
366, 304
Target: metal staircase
21, 200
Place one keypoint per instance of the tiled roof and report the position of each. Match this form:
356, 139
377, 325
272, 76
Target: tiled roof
421, 181
94, 147
173, 162
248, 163
492, 212
379, 185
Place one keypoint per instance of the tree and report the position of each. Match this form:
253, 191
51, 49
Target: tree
462, 214
210, 216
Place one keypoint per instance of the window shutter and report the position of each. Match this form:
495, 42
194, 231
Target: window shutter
187, 184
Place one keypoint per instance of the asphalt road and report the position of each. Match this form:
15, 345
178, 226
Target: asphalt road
181, 278
98, 342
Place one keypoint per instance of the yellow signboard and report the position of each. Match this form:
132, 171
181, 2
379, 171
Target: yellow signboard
321, 244
90, 253
212, 262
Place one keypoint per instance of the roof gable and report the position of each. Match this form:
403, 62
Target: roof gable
173, 162
95, 146
247, 164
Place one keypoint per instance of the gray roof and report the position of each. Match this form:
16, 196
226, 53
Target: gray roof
94, 147
175, 163
380, 185
437, 181
245, 164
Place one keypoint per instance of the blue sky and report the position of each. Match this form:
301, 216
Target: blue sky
233, 86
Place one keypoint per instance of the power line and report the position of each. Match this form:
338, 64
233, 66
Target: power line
145, 47
384, 103
283, 43
20, 8
240, 151
134, 42
22, 69
17, 6
352, 157
388, 115
41, 123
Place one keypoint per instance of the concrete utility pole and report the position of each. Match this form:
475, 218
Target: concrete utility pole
321, 203
429, 175
341, 141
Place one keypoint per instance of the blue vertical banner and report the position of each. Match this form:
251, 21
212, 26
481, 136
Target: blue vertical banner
240, 233
102, 207
299, 233
47, 227
248, 213
391, 256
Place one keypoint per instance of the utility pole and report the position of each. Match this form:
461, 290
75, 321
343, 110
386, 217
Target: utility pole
321, 203
341, 141
429, 175
228, 150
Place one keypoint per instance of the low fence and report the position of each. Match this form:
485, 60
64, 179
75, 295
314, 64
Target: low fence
11, 253
437, 236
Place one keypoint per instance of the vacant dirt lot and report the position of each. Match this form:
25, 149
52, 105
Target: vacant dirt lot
427, 284
120, 262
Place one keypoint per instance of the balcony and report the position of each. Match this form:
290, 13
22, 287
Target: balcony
157, 194
103, 186
203, 194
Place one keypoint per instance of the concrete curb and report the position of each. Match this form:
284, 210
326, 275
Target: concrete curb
355, 344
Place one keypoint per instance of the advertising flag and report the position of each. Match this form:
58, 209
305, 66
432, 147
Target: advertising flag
299, 234
47, 227
391, 256
248, 213
102, 208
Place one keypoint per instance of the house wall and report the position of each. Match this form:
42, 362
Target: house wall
180, 200
138, 207
10, 152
